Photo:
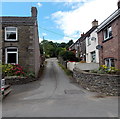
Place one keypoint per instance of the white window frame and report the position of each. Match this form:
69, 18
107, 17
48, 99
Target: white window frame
108, 62
11, 31
6, 54
108, 30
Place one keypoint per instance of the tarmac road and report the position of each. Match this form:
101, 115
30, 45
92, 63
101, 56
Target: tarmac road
56, 96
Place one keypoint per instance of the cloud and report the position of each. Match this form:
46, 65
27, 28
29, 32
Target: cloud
40, 39
39, 4
47, 17
79, 20
44, 34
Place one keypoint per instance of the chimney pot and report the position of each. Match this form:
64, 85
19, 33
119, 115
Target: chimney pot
82, 34
95, 23
34, 12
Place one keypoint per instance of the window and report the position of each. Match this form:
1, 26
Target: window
11, 55
89, 41
10, 34
93, 56
108, 33
109, 62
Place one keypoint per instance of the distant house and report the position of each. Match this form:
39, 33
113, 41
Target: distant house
20, 41
109, 40
92, 54
79, 47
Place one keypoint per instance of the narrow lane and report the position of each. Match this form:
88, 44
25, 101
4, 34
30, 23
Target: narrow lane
55, 96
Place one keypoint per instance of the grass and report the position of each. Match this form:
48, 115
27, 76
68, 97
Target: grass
68, 72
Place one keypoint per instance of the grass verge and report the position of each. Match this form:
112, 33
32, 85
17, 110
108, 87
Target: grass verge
68, 72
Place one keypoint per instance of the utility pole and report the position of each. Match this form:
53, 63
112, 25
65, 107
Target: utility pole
43, 46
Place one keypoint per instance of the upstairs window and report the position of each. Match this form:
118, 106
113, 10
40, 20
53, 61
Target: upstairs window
108, 33
89, 41
11, 55
10, 34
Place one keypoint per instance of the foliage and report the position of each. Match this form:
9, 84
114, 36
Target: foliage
50, 49
103, 69
68, 72
15, 70
68, 56
82, 62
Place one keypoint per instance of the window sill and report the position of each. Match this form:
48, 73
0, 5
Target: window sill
10, 41
107, 39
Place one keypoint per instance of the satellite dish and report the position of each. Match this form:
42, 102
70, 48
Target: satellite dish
99, 47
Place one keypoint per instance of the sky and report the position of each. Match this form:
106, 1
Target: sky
62, 20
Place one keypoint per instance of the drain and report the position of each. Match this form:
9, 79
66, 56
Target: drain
74, 92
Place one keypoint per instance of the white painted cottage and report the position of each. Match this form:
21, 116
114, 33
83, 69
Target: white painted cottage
92, 54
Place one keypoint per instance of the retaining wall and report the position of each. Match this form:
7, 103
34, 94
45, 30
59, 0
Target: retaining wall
102, 83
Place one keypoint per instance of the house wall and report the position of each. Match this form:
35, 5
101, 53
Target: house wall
37, 51
92, 47
27, 46
111, 47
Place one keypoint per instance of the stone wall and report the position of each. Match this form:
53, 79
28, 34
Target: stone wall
102, 83
18, 80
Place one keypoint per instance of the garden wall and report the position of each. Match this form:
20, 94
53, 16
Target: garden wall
82, 66
18, 80
102, 83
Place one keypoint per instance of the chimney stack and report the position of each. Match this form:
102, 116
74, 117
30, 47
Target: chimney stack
34, 12
118, 4
95, 23
82, 34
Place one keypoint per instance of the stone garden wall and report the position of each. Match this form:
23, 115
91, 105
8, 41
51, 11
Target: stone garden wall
18, 80
102, 83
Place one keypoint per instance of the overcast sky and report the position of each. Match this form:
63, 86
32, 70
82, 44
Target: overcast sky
62, 21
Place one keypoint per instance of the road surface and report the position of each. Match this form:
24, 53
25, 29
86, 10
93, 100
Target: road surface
56, 96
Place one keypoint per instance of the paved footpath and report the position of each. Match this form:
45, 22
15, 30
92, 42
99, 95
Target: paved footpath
56, 96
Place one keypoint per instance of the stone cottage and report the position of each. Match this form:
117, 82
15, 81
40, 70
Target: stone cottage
20, 41
109, 40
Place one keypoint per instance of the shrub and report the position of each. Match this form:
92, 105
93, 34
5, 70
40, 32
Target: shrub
103, 69
15, 70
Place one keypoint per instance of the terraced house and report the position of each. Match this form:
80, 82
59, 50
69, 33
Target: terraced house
109, 40
20, 41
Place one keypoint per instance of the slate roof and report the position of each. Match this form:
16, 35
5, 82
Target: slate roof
110, 19
18, 20
87, 33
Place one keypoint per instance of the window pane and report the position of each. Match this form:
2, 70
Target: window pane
112, 63
110, 32
105, 34
12, 50
11, 35
10, 29
11, 58
93, 57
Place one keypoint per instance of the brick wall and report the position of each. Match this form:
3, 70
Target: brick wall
111, 48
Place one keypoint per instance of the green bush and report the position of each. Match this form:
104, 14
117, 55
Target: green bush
15, 70
68, 55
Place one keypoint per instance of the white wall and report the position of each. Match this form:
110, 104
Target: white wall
82, 66
92, 47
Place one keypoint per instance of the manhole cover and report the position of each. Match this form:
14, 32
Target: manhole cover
73, 92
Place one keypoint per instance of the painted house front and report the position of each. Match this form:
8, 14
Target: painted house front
92, 54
